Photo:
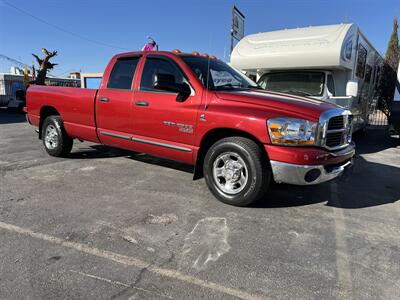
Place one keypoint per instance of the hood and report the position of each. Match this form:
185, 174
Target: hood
278, 101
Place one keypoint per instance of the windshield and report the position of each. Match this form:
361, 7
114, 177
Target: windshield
299, 83
220, 75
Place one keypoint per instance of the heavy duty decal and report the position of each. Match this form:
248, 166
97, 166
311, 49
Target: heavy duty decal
181, 127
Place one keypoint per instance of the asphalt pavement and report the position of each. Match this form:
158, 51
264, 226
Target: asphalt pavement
111, 224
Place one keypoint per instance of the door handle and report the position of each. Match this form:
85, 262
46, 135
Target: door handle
104, 99
141, 103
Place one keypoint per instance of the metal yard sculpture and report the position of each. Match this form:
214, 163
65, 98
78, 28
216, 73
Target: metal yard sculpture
44, 66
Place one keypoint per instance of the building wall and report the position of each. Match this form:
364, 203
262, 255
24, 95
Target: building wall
9, 84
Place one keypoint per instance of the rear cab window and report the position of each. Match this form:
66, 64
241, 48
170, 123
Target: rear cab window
123, 72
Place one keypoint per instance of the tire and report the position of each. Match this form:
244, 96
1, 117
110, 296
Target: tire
236, 171
55, 140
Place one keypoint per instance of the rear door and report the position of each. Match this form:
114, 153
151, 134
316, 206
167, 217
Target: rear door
162, 125
114, 104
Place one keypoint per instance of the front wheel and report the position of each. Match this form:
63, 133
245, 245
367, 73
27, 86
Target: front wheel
55, 139
236, 171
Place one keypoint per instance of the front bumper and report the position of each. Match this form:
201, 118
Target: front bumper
306, 174
308, 165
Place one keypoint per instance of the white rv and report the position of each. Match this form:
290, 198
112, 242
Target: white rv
397, 92
394, 121
334, 63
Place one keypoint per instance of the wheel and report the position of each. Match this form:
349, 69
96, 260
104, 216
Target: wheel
55, 139
236, 171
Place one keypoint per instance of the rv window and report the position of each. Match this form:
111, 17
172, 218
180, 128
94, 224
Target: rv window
331, 85
368, 74
377, 76
348, 49
361, 61
297, 83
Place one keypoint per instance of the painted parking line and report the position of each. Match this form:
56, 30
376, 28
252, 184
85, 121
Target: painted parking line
115, 282
342, 257
131, 261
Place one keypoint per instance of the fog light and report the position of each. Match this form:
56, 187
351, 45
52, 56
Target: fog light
312, 175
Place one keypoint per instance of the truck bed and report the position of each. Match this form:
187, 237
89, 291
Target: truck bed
76, 106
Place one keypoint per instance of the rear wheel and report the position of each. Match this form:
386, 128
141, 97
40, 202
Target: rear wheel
55, 139
236, 171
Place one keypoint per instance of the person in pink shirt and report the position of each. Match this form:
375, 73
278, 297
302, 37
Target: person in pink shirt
151, 45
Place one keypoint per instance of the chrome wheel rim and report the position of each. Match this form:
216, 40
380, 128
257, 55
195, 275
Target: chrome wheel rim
51, 137
230, 173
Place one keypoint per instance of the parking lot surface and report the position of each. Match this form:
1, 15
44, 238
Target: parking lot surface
111, 224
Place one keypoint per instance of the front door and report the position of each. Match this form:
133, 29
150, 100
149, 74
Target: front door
114, 104
162, 125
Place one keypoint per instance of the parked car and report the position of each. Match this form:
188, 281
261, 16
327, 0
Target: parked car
198, 110
334, 63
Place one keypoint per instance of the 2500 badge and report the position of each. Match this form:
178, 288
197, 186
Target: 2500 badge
181, 127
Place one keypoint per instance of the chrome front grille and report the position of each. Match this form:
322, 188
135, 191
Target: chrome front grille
334, 139
335, 129
336, 123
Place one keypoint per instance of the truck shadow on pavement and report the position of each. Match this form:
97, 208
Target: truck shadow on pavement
370, 184
102, 151
98, 151
366, 184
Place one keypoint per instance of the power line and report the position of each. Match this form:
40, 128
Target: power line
62, 29
14, 61
21, 64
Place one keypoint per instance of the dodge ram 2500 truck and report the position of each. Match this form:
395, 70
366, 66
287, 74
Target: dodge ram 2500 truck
198, 110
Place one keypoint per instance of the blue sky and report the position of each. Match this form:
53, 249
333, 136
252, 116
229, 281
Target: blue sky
203, 25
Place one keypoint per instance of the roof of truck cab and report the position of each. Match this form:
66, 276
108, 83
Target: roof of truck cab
126, 54
307, 47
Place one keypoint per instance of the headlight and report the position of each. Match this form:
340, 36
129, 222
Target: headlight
291, 131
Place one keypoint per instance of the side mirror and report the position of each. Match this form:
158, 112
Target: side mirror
352, 89
166, 82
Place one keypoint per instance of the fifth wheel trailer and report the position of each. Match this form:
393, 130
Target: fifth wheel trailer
334, 63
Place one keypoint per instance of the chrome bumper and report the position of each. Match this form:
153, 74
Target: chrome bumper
306, 174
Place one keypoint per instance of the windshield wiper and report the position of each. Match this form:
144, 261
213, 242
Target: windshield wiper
232, 86
228, 85
297, 92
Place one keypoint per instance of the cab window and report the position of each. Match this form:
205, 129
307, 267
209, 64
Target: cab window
121, 76
156, 65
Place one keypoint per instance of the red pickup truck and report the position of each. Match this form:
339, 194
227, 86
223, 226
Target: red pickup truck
198, 110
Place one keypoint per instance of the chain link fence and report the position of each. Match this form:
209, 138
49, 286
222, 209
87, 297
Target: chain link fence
377, 119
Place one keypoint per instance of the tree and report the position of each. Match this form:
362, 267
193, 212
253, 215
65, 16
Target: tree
44, 66
388, 79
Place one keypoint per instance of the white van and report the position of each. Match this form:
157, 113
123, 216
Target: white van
334, 63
